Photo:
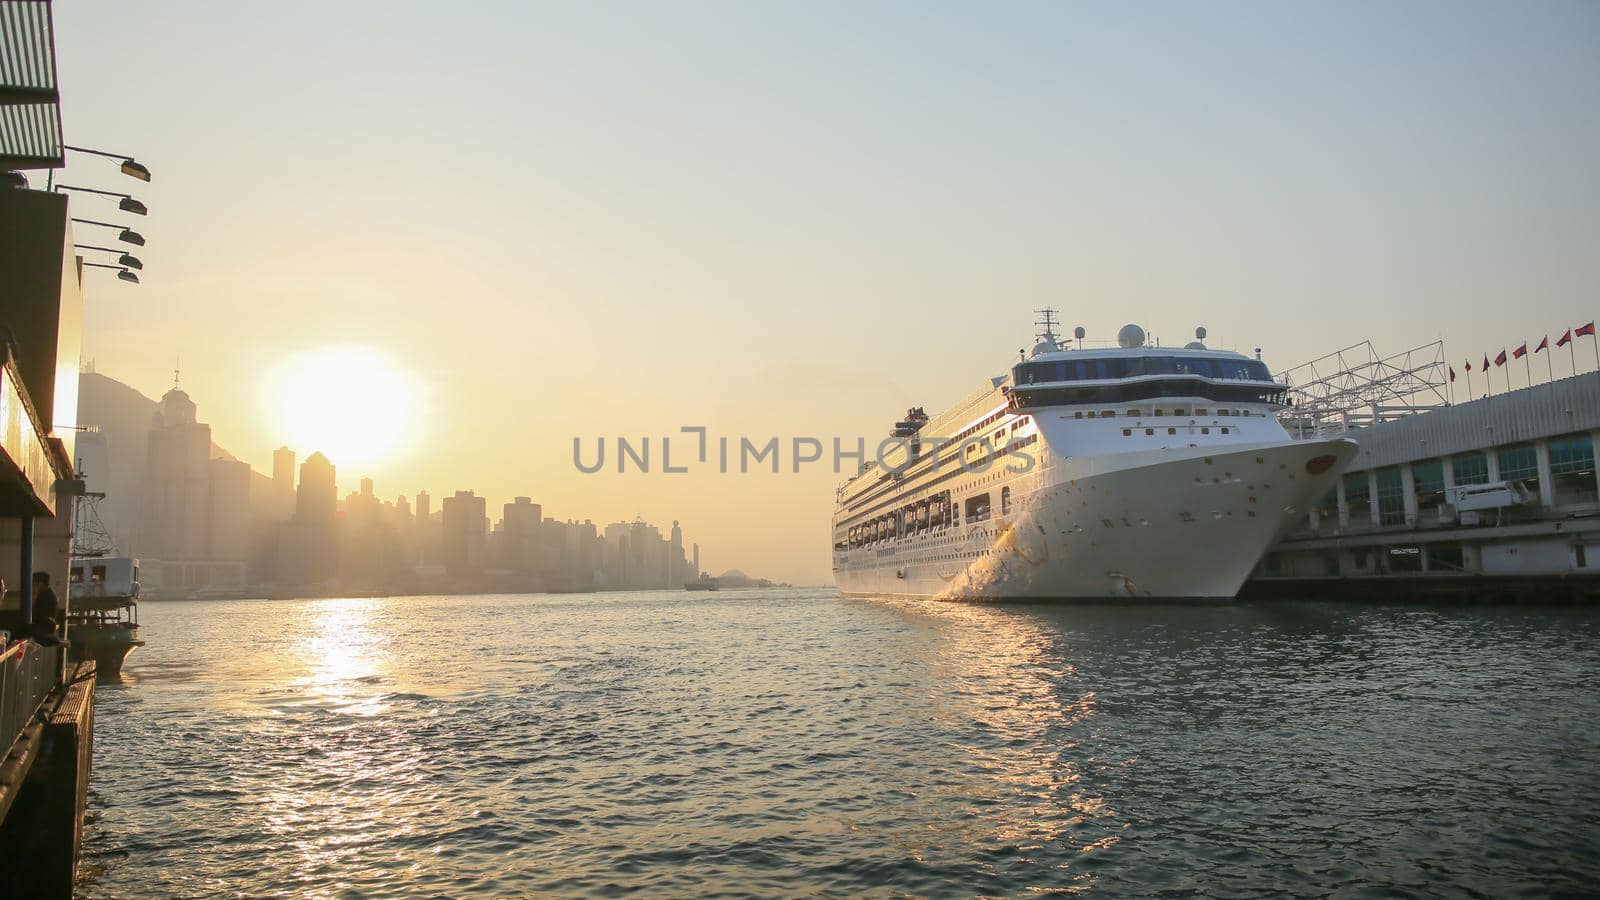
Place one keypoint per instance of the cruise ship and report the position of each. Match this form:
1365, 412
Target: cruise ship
1133, 472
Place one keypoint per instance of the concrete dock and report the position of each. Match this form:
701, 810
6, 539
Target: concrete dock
44, 789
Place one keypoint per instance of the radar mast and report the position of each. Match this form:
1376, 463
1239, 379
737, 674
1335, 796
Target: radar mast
1047, 325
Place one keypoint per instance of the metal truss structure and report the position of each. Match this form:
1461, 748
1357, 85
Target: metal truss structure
1355, 387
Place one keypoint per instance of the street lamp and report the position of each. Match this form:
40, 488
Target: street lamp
122, 273
132, 262
127, 236
130, 168
128, 204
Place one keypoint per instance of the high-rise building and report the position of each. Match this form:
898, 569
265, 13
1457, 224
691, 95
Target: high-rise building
521, 526
466, 526
177, 480
309, 545
316, 498
228, 511
675, 564
424, 506
283, 482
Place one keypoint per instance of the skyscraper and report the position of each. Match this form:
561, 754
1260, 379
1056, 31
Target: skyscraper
283, 482
466, 526
177, 482
521, 526
310, 546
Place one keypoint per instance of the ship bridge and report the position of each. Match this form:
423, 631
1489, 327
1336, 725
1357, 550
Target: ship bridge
1123, 375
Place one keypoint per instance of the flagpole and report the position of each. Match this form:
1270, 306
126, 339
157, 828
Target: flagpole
1550, 367
1527, 365
1572, 354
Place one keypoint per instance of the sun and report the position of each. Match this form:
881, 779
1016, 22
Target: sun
354, 404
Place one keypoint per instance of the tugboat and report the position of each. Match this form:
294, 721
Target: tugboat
102, 614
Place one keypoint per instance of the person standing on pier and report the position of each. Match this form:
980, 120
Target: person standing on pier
46, 610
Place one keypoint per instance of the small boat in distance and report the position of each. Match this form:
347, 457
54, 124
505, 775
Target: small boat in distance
102, 611
702, 584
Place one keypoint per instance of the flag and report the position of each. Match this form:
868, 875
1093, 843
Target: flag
1587, 329
1485, 362
1565, 339
1543, 345
1520, 352
1469, 365
1452, 373
1501, 359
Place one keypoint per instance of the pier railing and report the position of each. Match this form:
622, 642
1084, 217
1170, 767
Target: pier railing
28, 673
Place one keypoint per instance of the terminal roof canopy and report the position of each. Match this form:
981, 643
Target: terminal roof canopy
30, 101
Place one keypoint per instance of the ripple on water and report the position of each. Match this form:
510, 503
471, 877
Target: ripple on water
794, 743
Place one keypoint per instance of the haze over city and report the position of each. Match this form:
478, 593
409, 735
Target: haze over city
444, 242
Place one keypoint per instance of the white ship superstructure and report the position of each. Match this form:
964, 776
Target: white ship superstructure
1128, 472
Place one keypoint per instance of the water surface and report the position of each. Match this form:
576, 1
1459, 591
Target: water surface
790, 742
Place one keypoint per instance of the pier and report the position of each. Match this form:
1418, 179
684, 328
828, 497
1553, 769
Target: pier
1490, 499
46, 702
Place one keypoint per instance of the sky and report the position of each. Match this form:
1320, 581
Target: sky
575, 220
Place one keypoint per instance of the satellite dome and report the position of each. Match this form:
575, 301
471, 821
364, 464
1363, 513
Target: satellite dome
1194, 345
1079, 332
1130, 336
1200, 333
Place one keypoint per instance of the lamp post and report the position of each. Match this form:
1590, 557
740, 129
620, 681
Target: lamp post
130, 168
122, 273
132, 262
127, 235
128, 204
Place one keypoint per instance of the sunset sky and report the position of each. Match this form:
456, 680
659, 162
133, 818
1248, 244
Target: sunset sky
586, 219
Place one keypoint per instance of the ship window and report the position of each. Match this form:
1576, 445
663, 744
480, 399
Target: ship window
1161, 412
1108, 413
97, 575
1181, 411
1205, 431
1199, 410
1224, 429
1172, 431
1078, 414
978, 507
1131, 412
1127, 432
1149, 431
1005, 501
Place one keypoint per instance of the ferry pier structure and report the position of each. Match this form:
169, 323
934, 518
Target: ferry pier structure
1493, 498
46, 704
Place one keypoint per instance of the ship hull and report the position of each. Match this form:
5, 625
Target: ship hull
1176, 526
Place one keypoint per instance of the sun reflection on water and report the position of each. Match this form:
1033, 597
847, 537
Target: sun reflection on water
1012, 690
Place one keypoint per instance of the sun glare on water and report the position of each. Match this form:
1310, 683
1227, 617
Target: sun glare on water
355, 404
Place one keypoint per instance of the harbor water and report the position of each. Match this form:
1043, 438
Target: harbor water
792, 742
